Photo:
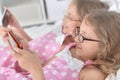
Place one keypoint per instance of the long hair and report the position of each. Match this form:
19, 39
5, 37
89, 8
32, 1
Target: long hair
86, 6
106, 25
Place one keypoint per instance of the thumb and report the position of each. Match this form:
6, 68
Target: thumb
24, 43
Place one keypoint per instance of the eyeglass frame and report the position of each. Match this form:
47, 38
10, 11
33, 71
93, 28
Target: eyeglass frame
81, 38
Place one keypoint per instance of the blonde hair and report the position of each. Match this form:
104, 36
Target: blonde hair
86, 6
106, 25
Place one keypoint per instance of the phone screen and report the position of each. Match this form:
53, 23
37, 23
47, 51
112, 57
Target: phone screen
5, 19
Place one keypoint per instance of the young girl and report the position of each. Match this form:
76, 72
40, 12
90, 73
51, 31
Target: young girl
97, 45
99, 37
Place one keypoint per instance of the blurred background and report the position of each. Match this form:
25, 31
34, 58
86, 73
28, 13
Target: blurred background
37, 17
34, 12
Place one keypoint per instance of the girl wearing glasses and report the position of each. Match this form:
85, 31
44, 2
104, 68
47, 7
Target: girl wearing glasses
98, 41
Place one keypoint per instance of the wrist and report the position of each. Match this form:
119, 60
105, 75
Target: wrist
37, 68
37, 74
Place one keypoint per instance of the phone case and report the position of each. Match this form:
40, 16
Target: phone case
14, 40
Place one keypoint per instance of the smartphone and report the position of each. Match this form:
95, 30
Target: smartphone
14, 40
5, 19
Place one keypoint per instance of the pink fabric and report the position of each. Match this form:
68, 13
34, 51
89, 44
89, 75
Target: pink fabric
45, 46
7, 73
58, 70
5, 57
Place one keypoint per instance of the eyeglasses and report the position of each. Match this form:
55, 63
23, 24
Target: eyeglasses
82, 38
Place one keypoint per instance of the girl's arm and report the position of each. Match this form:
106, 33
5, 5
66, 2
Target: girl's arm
38, 74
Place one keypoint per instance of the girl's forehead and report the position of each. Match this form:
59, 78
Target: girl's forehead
71, 8
85, 28
72, 12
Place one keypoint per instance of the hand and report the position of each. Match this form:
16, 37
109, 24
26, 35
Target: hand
68, 39
3, 33
15, 26
27, 59
12, 20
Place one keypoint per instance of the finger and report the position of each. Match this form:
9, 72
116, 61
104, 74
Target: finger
24, 43
15, 54
4, 36
6, 40
69, 34
12, 19
21, 51
3, 28
10, 14
13, 28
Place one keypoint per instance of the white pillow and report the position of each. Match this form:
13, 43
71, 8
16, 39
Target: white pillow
113, 76
118, 75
